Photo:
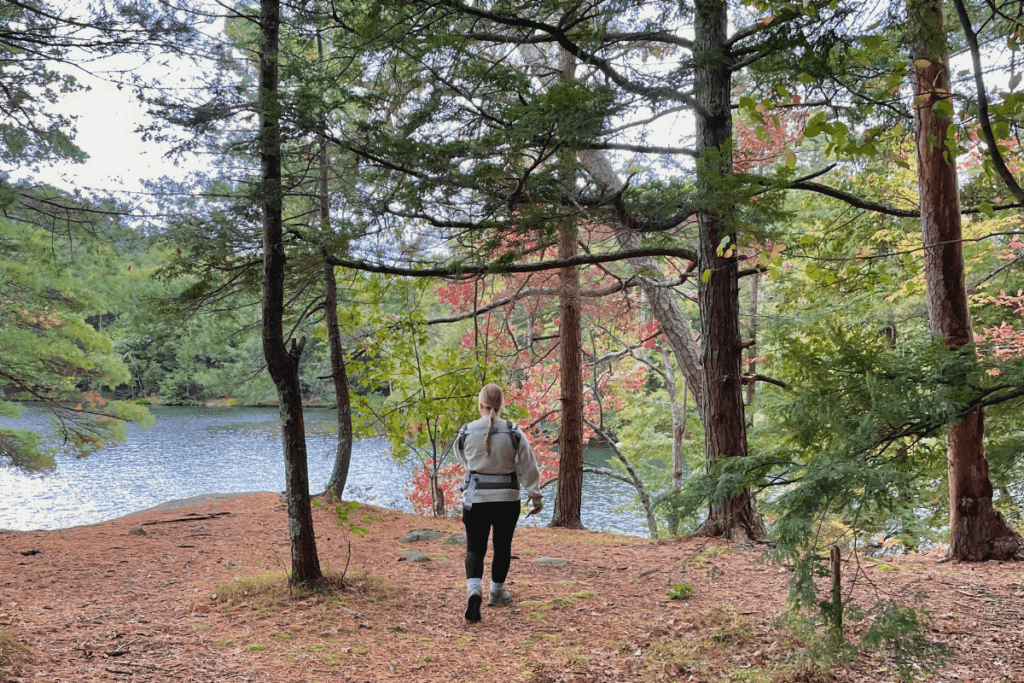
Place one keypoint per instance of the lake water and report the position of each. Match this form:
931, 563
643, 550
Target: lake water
195, 450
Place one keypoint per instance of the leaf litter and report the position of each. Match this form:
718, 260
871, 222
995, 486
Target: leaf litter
142, 598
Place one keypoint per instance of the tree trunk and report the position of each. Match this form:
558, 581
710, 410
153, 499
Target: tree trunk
678, 429
663, 300
718, 292
569, 499
977, 531
437, 493
282, 362
343, 454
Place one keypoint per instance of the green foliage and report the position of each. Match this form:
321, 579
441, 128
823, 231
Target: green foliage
643, 426
343, 512
50, 351
862, 426
420, 387
892, 629
680, 591
900, 631
859, 460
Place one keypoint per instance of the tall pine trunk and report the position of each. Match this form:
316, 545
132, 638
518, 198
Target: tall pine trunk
568, 511
752, 313
977, 531
282, 362
734, 515
339, 375
569, 499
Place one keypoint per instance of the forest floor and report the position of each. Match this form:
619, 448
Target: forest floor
196, 593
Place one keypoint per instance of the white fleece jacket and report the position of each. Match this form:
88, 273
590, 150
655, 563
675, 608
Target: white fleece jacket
503, 460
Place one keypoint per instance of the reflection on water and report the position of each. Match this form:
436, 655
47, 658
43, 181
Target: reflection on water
194, 450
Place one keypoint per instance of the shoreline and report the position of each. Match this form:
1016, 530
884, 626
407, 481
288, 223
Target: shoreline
175, 503
192, 501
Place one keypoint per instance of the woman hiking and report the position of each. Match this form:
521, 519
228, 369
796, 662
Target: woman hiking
498, 459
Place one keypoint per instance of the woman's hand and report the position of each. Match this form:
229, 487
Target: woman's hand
538, 505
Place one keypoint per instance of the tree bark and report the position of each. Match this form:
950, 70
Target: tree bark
569, 499
567, 511
343, 454
339, 375
721, 346
437, 493
282, 362
678, 429
977, 530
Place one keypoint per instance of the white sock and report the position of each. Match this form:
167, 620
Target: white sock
495, 587
474, 585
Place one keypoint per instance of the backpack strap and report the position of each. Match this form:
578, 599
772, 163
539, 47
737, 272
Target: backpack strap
514, 434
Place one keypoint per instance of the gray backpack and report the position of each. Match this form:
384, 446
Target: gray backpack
513, 433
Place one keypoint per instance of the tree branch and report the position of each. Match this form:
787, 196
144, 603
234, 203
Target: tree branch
464, 270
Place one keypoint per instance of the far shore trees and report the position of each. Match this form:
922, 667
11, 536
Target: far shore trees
50, 351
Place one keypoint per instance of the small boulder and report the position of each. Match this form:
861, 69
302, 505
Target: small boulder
413, 556
421, 535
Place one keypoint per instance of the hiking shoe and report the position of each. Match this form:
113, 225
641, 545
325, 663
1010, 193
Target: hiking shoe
499, 597
473, 601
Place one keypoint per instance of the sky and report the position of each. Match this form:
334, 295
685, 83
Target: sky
118, 157
106, 120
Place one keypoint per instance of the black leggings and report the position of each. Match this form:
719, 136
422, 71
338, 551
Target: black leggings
503, 516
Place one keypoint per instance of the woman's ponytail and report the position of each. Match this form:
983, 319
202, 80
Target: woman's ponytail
490, 428
492, 397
